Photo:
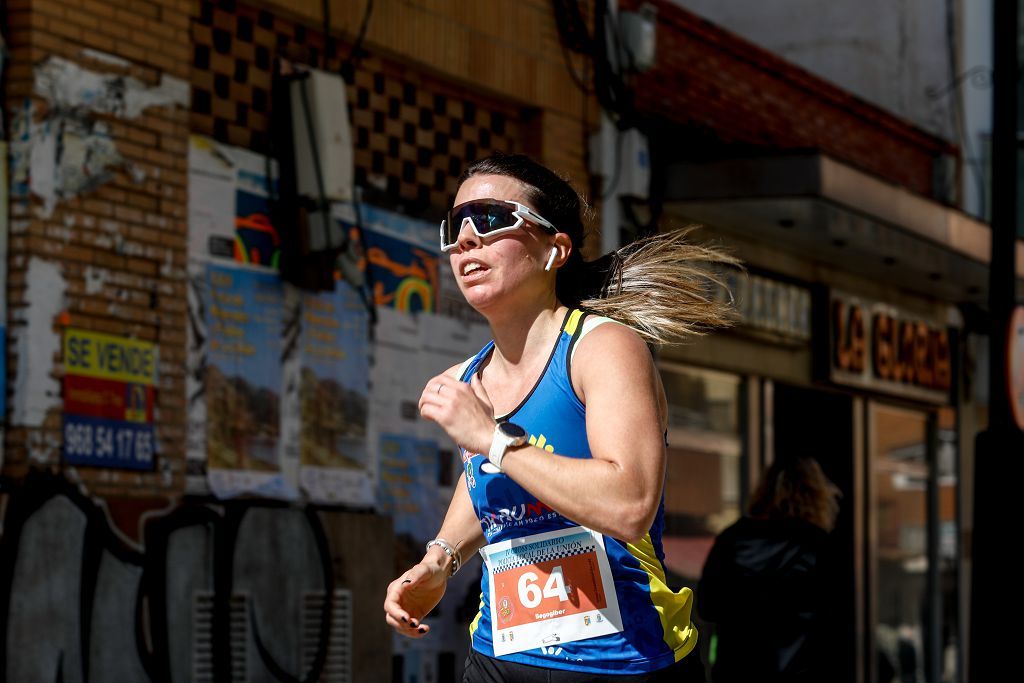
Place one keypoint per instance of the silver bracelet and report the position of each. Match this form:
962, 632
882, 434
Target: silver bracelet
449, 551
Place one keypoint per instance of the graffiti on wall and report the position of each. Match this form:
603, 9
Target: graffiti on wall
193, 592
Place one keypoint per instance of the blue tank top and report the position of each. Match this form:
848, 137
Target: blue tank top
657, 629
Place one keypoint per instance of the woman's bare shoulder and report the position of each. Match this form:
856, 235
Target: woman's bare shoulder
610, 339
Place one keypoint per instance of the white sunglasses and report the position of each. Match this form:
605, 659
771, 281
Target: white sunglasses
488, 217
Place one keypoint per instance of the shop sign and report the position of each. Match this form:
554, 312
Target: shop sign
109, 388
877, 347
769, 306
1015, 365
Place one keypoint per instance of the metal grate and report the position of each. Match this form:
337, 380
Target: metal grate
338, 667
202, 637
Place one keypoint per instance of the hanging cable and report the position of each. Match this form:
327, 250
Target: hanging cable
325, 15
348, 66
572, 27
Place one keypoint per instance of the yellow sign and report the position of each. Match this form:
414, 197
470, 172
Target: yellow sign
104, 356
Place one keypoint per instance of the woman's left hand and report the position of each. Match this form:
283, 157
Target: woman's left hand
463, 410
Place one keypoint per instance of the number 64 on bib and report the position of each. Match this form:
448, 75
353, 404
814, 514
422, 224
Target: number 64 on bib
554, 587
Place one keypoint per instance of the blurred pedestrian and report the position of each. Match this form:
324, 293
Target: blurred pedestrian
561, 421
762, 584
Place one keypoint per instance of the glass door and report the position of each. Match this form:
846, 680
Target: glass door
898, 485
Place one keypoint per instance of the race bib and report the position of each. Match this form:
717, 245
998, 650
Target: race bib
549, 589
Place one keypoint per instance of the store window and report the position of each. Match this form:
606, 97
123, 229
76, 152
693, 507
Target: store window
899, 497
905, 619
947, 462
702, 481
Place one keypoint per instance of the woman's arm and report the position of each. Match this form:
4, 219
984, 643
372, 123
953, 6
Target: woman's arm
417, 591
618, 491
412, 595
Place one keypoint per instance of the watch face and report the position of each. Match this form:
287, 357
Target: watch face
512, 430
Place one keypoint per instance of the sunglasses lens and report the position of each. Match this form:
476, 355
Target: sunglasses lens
486, 217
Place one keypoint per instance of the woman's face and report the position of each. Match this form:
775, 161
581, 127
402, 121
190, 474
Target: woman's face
491, 270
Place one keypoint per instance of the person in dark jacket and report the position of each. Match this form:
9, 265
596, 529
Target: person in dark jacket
761, 584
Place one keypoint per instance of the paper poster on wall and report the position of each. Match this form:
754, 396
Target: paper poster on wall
402, 254
3, 279
411, 349
196, 350
211, 199
109, 389
229, 213
334, 396
243, 379
256, 239
409, 472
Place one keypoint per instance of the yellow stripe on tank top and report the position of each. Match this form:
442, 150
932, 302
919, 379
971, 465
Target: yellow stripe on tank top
476, 619
673, 608
572, 322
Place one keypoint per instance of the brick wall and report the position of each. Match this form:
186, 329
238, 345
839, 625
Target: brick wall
709, 79
439, 84
120, 248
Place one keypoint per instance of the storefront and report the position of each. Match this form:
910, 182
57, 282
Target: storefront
865, 387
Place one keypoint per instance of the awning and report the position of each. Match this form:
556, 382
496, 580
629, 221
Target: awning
840, 216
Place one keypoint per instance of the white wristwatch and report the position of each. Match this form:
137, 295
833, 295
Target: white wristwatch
506, 435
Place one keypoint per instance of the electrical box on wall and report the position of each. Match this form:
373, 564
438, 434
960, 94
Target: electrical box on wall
624, 161
322, 137
635, 165
639, 32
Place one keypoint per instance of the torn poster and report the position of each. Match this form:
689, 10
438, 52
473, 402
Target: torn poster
196, 352
229, 211
67, 86
36, 399
64, 155
69, 152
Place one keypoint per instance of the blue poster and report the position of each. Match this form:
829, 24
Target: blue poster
256, 239
409, 471
335, 379
244, 316
402, 255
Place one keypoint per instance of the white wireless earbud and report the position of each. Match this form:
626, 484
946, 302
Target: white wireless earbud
551, 259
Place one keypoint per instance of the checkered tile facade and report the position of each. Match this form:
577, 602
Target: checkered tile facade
412, 133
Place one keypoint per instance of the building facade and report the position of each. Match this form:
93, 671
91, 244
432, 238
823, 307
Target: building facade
218, 467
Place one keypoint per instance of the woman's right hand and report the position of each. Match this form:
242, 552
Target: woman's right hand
412, 595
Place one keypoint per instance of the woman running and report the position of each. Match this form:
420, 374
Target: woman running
561, 422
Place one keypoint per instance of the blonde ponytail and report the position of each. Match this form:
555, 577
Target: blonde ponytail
664, 287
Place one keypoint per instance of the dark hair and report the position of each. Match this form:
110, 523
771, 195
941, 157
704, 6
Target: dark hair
796, 487
659, 286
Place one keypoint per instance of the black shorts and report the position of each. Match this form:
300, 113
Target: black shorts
483, 669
